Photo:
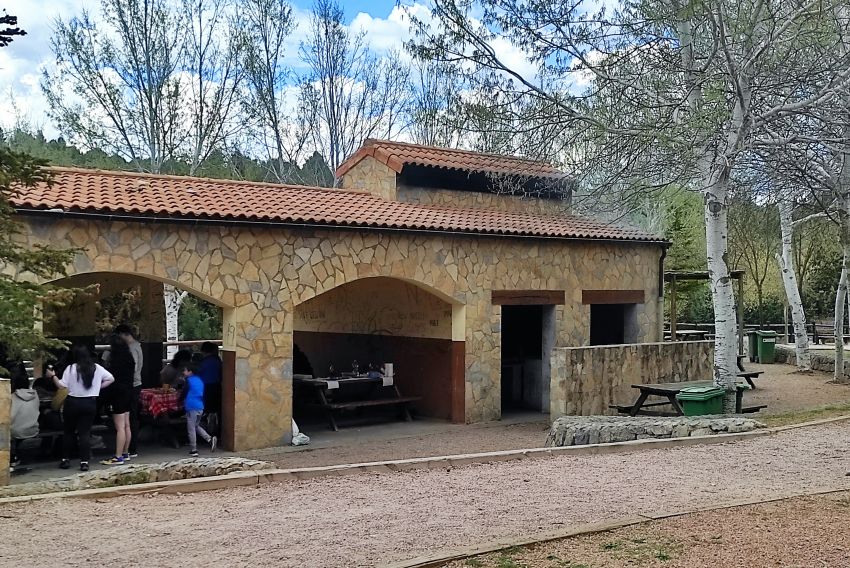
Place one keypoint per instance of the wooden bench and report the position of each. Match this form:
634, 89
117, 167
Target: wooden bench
405, 400
749, 376
629, 408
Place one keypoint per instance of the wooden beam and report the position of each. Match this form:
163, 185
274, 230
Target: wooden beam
528, 297
612, 296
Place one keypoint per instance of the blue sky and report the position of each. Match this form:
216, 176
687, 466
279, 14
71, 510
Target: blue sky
22, 62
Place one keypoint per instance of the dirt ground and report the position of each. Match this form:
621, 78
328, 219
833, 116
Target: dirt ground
781, 388
372, 519
795, 533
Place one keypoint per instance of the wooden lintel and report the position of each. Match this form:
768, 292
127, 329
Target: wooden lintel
528, 297
612, 296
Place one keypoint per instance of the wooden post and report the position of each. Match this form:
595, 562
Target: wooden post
673, 309
740, 313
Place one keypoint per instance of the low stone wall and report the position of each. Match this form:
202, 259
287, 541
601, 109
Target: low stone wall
586, 380
821, 360
137, 473
582, 430
5, 425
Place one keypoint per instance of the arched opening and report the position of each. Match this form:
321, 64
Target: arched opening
379, 320
113, 298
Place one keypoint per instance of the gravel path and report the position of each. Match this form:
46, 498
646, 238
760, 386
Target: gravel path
366, 520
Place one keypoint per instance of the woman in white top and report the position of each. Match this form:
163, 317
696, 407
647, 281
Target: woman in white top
83, 379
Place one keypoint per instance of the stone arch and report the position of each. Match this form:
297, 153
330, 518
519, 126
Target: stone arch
399, 320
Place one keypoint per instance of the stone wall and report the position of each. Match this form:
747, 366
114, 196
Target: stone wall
5, 426
482, 200
259, 276
821, 360
371, 176
586, 380
582, 430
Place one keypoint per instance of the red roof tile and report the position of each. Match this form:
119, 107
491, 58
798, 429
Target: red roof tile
396, 155
178, 197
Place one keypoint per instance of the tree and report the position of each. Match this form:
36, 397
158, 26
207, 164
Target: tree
127, 95
352, 94
280, 127
435, 92
680, 91
754, 241
11, 31
22, 298
214, 67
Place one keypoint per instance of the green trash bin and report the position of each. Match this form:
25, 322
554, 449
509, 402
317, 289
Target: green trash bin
753, 346
766, 346
698, 401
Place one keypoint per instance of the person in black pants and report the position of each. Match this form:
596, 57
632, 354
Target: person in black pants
83, 379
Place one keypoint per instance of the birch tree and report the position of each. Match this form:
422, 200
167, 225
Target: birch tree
214, 74
679, 91
792, 288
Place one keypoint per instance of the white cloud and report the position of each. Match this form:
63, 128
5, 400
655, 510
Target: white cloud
22, 62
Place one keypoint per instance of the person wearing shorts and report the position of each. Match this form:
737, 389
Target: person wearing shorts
119, 398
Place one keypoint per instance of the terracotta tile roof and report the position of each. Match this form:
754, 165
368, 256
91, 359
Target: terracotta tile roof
146, 196
396, 155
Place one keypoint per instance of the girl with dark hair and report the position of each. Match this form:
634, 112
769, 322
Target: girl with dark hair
83, 379
118, 396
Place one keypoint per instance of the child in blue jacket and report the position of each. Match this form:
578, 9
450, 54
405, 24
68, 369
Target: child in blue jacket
194, 405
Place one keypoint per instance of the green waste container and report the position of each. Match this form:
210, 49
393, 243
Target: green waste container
766, 346
698, 401
753, 346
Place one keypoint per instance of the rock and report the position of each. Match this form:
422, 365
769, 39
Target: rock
581, 430
133, 474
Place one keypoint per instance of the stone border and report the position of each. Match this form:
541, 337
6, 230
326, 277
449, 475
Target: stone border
444, 557
258, 477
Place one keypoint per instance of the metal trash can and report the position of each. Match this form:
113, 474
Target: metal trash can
699, 401
766, 346
753, 347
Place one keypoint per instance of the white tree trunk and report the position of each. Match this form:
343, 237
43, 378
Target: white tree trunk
792, 291
840, 302
173, 300
722, 293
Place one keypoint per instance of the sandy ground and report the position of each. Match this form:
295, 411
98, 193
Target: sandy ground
366, 520
780, 388
797, 533
783, 389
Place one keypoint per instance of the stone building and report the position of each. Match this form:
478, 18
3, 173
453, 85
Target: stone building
421, 258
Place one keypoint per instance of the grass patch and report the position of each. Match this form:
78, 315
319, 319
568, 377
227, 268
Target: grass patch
796, 417
473, 563
639, 551
505, 561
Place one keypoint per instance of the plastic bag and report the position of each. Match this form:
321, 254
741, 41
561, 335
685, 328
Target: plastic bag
299, 439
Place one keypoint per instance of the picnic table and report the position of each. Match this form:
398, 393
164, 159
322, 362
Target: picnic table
332, 395
158, 402
669, 391
745, 374
160, 405
691, 334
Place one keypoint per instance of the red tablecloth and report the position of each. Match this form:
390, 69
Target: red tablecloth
157, 402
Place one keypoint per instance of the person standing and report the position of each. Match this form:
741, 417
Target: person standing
125, 332
193, 404
83, 379
118, 395
209, 370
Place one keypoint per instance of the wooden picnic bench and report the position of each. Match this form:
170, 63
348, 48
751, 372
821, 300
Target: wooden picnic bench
747, 375
382, 393
669, 392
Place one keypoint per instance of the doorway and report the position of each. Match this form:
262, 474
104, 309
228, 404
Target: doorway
528, 336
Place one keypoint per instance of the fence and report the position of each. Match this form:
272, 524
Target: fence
586, 380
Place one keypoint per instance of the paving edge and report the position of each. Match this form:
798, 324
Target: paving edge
258, 477
444, 557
